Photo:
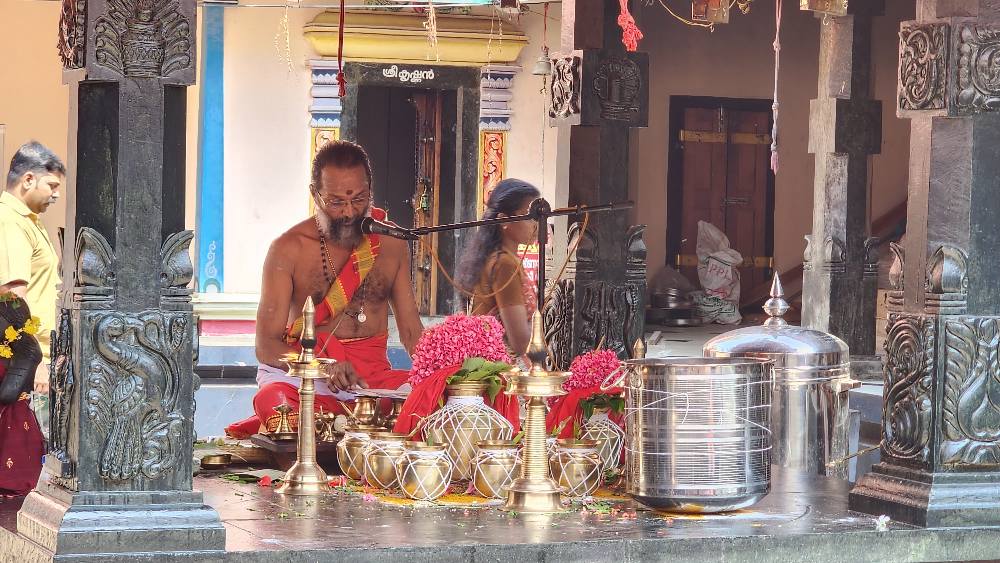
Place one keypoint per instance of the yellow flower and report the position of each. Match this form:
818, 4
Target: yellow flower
5, 351
11, 334
32, 325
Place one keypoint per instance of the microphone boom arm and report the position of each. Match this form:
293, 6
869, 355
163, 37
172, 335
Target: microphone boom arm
539, 211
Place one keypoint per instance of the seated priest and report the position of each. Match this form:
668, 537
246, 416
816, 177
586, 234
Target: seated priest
352, 277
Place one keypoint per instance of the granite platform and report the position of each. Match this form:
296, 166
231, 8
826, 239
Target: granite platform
803, 519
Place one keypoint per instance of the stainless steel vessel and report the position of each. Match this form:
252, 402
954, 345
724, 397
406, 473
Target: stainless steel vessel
812, 376
697, 436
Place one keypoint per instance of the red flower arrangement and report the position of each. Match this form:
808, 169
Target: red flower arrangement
457, 339
439, 358
591, 369
584, 393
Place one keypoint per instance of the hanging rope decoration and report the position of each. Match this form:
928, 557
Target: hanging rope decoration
630, 32
341, 80
774, 106
432, 31
282, 36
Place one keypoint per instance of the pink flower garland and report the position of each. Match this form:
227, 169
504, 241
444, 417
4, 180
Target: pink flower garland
457, 339
590, 369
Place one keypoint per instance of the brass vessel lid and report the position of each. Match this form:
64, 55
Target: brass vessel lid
418, 446
466, 389
387, 437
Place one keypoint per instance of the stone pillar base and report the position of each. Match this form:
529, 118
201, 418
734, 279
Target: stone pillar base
933, 500
61, 522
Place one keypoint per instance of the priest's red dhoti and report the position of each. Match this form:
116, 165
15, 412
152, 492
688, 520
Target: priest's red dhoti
367, 355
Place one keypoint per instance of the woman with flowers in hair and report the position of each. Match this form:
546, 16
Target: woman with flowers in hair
490, 268
21, 442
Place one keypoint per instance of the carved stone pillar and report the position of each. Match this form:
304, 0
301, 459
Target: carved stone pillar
598, 92
941, 417
590, 307
845, 128
118, 473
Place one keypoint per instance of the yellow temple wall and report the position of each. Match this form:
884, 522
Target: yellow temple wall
33, 101
526, 159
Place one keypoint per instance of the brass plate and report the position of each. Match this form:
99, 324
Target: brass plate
216, 461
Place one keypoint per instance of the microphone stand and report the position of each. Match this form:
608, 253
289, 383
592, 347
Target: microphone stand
539, 211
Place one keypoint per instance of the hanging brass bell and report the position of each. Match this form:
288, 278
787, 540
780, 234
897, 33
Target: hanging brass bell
543, 66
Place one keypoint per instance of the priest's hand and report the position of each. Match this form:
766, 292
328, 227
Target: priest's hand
342, 377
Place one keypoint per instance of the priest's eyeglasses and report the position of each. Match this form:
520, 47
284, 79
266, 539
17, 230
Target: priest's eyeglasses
340, 204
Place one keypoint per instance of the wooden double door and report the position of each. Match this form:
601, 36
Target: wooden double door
720, 173
402, 129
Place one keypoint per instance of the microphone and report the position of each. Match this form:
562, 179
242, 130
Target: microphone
370, 226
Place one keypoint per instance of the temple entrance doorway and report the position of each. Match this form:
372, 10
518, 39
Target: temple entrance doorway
402, 129
719, 172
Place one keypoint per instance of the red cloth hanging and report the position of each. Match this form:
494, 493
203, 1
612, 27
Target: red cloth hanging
630, 32
21, 446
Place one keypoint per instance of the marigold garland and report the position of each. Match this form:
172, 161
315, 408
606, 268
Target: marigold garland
12, 334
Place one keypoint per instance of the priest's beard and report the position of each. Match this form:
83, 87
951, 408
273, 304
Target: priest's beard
342, 232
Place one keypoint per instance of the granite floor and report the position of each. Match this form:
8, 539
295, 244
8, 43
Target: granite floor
802, 519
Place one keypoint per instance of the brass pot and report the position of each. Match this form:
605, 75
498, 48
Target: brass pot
463, 422
551, 446
397, 409
350, 454
216, 461
366, 411
380, 455
496, 466
609, 436
424, 471
577, 467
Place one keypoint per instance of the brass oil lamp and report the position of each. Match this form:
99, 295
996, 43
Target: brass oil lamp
535, 491
306, 477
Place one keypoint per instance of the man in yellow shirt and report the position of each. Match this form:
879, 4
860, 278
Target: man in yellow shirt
29, 266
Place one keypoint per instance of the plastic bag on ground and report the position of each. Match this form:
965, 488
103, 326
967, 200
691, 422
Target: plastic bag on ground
716, 310
719, 276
